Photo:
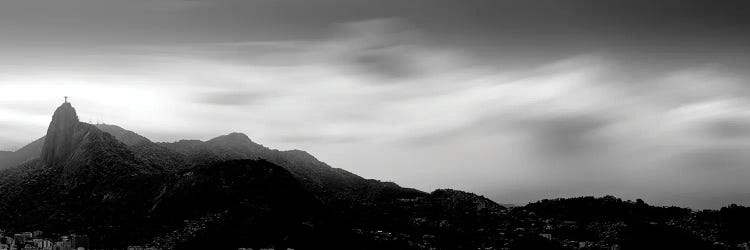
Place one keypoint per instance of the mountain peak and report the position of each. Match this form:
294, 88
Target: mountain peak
232, 138
59, 141
128, 137
65, 112
236, 136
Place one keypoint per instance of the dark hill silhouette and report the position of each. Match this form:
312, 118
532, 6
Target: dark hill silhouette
333, 185
635, 224
607, 208
77, 148
150, 153
230, 192
142, 147
224, 193
82, 176
231, 200
86, 181
330, 184
128, 137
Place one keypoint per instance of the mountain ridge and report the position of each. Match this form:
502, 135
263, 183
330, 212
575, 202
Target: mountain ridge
318, 176
86, 180
182, 195
230, 192
325, 181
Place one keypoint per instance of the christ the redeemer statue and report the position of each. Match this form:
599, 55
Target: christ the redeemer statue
66, 99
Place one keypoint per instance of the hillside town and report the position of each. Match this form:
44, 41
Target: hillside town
605, 223
38, 240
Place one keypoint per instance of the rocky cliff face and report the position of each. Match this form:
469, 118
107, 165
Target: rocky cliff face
59, 143
74, 146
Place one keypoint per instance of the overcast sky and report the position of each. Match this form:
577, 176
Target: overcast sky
515, 100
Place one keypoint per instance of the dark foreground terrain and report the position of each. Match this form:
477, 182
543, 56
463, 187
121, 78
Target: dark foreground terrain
104, 187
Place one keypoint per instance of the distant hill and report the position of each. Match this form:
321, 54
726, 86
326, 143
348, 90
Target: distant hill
607, 208
330, 184
26, 153
150, 153
128, 137
635, 224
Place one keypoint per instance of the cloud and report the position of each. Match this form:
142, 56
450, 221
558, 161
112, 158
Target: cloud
730, 128
566, 135
379, 47
378, 97
230, 98
318, 139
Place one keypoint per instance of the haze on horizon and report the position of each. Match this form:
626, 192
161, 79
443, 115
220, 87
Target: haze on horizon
514, 100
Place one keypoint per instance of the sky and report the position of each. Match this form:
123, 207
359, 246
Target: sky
514, 100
